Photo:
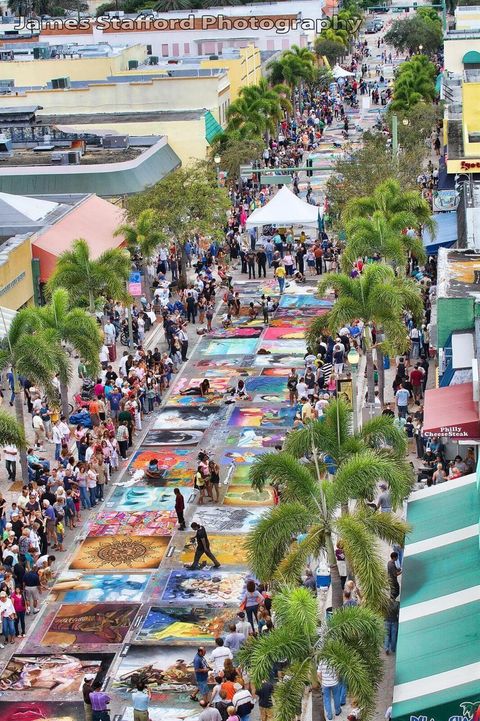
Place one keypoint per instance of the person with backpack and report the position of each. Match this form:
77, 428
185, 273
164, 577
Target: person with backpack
243, 704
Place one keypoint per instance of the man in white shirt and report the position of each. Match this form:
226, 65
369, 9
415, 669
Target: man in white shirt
243, 626
302, 388
218, 656
39, 430
330, 687
10, 455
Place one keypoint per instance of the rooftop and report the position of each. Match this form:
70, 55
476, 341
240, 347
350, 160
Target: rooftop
458, 273
91, 156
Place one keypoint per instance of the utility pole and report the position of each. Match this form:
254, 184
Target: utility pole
394, 135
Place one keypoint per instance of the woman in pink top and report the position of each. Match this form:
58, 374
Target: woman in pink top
18, 601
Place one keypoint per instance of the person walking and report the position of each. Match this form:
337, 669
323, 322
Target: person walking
265, 702
251, 601
280, 273
99, 701
87, 689
201, 669
203, 547
10, 454
179, 508
401, 397
330, 689
391, 626
183, 338
140, 702
191, 308
262, 262
122, 439
7, 613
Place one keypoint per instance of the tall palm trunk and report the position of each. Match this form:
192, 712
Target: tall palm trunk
21, 422
337, 592
381, 375
370, 375
146, 281
64, 399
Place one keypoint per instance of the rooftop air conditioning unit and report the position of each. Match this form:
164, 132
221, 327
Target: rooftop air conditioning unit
153, 60
60, 83
132, 64
116, 142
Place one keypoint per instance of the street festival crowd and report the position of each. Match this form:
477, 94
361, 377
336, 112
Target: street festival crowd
88, 449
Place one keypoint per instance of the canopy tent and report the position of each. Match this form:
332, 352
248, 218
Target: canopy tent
446, 233
339, 72
451, 412
438, 655
285, 208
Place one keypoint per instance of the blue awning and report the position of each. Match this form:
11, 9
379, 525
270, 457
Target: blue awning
445, 236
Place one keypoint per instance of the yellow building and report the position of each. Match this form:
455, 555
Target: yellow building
244, 67
463, 135
37, 72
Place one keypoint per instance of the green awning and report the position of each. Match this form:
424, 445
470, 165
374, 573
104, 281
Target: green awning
438, 651
471, 58
212, 128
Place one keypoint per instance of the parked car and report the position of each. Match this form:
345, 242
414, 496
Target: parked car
370, 28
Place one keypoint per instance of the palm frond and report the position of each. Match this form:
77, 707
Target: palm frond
362, 552
292, 565
380, 431
11, 433
289, 691
284, 469
296, 606
386, 526
267, 544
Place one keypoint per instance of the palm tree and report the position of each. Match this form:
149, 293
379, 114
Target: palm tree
335, 35
378, 298
143, 238
73, 326
88, 278
258, 109
378, 234
310, 508
402, 206
36, 356
349, 642
332, 437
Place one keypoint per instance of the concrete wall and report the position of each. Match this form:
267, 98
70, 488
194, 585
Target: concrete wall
453, 314
16, 285
245, 70
455, 49
40, 72
186, 137
157, 94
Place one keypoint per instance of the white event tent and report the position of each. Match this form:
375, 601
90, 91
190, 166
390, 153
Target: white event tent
285, 208
339, 72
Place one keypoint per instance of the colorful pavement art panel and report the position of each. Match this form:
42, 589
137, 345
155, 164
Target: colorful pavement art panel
141, 523
210, 587
120, 553
219, 364
228, 550
255, 438
275, 372
183, 625
163, 668
243, 495
299, 302
262, 417
46, 677
278, 360
144, 498
41, 711
284, 334
198, 418
74, 587
241, 458
165, 713
289, 347
219, 384
233, 520
195, 400
166, 437
266, 384
168, 459
235, 332
89, 623
235, 346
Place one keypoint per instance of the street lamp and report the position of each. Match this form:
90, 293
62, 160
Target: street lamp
217, 160
353, 360
420, 48
405, 122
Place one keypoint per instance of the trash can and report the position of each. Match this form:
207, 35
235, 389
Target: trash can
323, 577
386, 362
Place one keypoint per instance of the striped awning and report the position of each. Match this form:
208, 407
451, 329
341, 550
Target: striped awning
438, 654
